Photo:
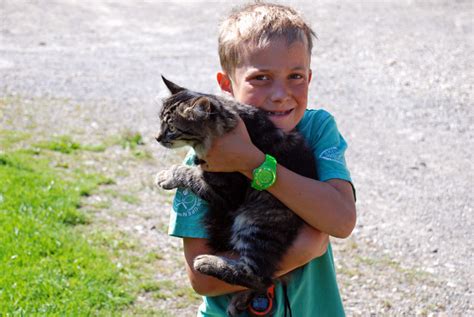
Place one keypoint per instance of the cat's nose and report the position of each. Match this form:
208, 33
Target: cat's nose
158, 137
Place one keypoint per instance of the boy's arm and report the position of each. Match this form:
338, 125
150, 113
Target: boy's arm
327, 206
310, 244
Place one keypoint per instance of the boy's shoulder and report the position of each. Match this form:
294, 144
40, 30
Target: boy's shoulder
316, 114
314, 120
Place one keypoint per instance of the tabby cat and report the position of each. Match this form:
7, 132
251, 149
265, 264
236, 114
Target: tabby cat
251, 223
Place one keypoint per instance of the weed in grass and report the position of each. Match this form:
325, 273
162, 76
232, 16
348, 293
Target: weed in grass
166, 289
114, 241
86, 183
131, 199
409, 275
149, 312
103, 204
151, 257
387, 304
130, 140
349, 272
65, 144
94, 148
8, 139
188, 293
122, 173
143, 154
151, 286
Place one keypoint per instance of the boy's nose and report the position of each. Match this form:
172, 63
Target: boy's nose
279, 92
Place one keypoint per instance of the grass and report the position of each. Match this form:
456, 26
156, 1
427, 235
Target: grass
8, 138
57, 260
131, 199
46, 267
66, 145
131, 140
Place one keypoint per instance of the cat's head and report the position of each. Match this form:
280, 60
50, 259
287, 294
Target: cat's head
192, 118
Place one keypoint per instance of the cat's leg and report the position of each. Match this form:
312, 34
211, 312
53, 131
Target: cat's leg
240, 302
260, 243
188, 177
177, 176
235, 272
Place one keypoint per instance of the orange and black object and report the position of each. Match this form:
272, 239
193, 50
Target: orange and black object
262, 304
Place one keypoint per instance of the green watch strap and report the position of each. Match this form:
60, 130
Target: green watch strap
264, 176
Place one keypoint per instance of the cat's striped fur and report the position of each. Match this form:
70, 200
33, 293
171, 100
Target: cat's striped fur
251, 223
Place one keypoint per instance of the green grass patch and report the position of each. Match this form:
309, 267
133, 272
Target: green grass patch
10, 138
128, 198
130, 140
46, 268
142, 154
65, 144
167, 289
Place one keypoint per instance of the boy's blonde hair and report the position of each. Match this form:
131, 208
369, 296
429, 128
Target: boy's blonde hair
254, 25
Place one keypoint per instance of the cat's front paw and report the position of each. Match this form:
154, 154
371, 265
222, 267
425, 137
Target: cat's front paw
166, 180
209, 264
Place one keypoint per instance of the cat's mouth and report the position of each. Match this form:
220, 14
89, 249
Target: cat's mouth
279, 113
174, 144
166, 144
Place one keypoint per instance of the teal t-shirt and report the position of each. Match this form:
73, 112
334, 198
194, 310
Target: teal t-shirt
312, 289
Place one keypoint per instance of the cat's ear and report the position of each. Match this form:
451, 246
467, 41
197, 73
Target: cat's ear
201, 108
173, 88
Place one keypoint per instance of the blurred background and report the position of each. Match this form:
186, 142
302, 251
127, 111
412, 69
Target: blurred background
397, 76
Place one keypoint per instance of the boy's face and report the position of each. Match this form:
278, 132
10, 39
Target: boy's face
275, 79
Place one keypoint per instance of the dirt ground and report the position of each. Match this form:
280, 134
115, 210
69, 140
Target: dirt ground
397, 75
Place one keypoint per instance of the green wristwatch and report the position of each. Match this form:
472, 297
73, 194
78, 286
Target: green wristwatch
264, 176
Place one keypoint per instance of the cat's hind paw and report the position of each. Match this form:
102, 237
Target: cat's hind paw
165, 180
239, 302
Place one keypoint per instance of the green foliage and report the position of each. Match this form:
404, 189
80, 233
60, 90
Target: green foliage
131, 140
9, 138
45, 267
65, 144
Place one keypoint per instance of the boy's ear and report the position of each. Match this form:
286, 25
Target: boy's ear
224, 82
310, 76
173, 88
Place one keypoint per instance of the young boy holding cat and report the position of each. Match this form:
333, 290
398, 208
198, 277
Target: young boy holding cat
265, 53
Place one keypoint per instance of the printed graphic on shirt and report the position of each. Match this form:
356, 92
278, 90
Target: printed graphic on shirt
332, 154
186, 203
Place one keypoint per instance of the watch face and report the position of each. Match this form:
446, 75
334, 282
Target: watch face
265, 176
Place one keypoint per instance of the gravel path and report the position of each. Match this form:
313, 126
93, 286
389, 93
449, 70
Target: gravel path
397, 75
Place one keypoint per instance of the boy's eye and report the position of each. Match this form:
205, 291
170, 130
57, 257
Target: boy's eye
296, 76
261, 77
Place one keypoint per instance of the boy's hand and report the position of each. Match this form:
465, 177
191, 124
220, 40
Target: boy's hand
233, 152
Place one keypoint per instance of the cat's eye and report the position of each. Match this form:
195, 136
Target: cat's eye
171, 129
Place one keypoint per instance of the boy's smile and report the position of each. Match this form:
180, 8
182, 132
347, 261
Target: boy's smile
274, 78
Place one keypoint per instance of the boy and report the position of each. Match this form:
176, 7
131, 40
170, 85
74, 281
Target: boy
265, 53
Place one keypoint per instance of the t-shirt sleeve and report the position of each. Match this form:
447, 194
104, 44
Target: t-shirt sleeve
329, 150
188, 211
